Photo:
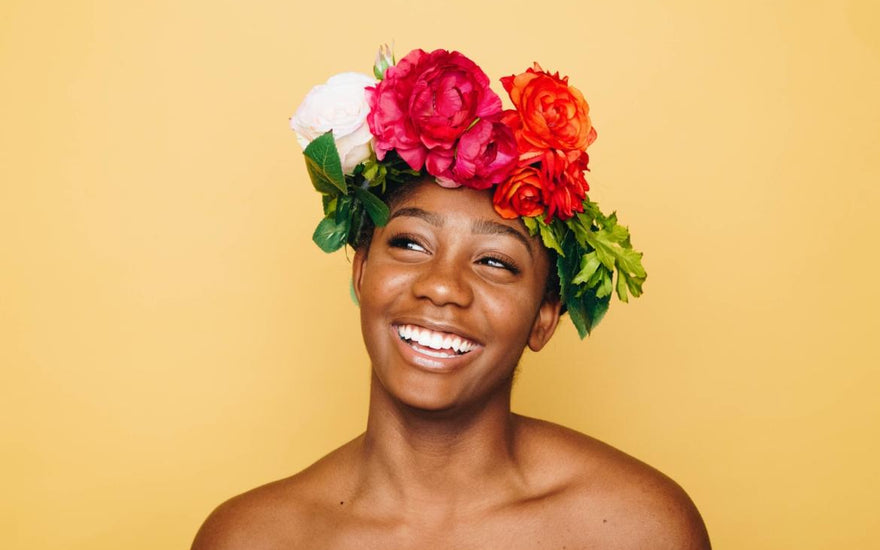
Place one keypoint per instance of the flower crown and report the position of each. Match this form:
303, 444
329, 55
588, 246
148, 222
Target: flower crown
434, 113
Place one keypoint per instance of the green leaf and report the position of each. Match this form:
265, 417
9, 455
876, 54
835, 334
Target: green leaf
631, 261
331, 235
376, 209
622, 287
589, 264
319, 182
356, 222
596, 279
605, 287
579, 317
617, 233
633, 284
596, 309
380, 179
603, 246
581, 228
329, 202
567, 266
324, 166
371, 169
548, 237
586, 312
532, 225
343, 208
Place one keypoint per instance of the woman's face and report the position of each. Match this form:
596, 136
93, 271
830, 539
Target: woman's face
450, 295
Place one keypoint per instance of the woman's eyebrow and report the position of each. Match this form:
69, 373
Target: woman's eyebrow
489, 227
434, 219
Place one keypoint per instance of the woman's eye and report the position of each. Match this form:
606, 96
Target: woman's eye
500, 264
406, 243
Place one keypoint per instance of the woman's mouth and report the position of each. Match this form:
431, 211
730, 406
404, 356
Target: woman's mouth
433, 343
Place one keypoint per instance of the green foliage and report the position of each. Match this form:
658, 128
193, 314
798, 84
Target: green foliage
376, 209
330, 235
551, 235
594, 248
323, 164
585, 308
348, 198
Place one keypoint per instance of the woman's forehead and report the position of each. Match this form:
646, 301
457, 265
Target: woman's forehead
443, 202
463, 208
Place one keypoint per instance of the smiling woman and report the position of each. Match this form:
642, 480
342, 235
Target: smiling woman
454, 281
447, 272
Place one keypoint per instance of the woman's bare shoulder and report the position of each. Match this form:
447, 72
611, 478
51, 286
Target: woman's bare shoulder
617, 500
283, 514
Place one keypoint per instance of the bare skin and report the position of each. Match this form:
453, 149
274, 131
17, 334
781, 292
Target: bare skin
443, 462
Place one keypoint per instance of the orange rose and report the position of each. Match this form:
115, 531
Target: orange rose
553, 114
521, 194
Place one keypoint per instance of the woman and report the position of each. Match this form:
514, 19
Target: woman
451, 291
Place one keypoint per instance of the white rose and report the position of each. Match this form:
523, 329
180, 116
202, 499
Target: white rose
339, 105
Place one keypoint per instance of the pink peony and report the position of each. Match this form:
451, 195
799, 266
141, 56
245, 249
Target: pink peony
485, 155
425, 104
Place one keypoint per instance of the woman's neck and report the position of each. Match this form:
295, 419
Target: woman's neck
446, 458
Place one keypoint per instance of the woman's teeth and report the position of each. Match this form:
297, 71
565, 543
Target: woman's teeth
434, 340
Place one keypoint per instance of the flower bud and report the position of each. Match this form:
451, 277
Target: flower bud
384, 59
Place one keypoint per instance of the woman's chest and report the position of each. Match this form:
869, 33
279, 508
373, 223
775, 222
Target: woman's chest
507, 530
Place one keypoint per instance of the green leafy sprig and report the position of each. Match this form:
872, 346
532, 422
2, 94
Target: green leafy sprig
591, 247
348, 198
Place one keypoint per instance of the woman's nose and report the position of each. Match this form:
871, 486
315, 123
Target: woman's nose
444, 281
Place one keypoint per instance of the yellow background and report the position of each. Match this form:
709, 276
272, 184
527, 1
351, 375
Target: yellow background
169, 336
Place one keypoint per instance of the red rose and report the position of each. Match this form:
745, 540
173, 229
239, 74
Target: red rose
522, 194
424, 105
484, 156
566, 186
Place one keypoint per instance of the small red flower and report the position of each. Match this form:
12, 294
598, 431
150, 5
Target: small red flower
522, 194
567, 188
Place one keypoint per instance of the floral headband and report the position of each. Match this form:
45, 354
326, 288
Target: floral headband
434, 113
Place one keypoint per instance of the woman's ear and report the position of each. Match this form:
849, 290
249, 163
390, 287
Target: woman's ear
357, 272
545, 323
